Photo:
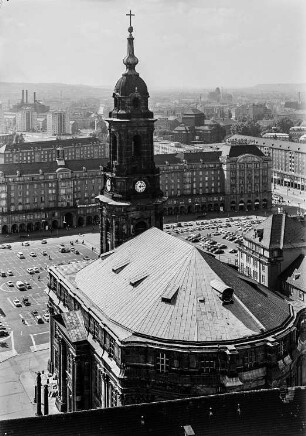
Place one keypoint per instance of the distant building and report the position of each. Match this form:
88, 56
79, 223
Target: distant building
253, 111
2, 125
288, 159
37, 106
50, 184
26, 119
296, 132
166, 123
193, 117
233, 178
58, 123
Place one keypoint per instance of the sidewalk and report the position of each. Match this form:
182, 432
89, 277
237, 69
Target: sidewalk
17, 385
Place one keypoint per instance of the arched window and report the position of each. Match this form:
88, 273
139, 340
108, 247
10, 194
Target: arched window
136, 146
114, 147
136, 103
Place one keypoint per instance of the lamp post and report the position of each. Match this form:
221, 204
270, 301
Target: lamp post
299, 209
64, 222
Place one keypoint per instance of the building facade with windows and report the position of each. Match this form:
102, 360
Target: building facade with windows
288, 159
58, 123
158, 319
232, 178
269, 249
50, 184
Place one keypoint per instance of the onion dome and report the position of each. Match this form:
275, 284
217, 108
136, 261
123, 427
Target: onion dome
130, 82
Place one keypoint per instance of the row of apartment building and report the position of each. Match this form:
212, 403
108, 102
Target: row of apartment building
51, 184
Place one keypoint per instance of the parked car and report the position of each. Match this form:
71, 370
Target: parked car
86, 258
38, 318
11, 284
44, 253
44, 241
36, 269
2, 274
10, 273
233, 250
30, 270
17, 303
28, 285
3, 333
26, 301
33, 254
46, 316
26, 244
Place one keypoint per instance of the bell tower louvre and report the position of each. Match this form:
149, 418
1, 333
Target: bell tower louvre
131, 200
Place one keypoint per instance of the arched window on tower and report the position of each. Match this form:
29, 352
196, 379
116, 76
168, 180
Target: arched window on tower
136, 103
136, 146
114, 148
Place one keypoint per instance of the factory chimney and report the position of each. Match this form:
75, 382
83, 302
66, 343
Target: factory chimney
27, 96
22, 96
34, 97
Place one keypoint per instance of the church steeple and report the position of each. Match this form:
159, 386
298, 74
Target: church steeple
131, 200
130, 61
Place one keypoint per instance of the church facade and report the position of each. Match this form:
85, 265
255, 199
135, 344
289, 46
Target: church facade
157, 319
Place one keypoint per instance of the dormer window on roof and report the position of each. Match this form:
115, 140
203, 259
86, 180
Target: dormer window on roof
120, 266
170, 293
138, 278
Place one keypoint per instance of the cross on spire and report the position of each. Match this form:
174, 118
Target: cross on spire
130, 15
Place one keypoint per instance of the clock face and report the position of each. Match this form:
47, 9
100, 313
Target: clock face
108, 184
140, 186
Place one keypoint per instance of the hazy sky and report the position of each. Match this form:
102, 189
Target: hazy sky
179, 43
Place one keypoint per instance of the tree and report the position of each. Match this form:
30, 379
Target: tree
284, 125
247, 128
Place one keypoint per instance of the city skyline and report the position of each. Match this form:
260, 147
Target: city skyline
180, 44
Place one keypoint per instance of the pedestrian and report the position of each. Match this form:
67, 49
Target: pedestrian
83, 241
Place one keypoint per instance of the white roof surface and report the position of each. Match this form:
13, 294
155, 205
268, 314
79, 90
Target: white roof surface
159, 286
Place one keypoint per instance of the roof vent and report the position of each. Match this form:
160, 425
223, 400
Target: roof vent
225, 291
170, 293
296, 276
137, 279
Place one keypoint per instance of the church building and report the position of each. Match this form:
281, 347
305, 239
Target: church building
154, 318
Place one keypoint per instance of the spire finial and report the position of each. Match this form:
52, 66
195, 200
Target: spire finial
130, 15
130, 29
130, 60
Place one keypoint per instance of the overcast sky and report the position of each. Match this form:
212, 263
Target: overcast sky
179, 43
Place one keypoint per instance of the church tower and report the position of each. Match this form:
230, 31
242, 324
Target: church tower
131, 200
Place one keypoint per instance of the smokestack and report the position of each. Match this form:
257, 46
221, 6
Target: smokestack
299, 97
22, 96
26, 96
34, 97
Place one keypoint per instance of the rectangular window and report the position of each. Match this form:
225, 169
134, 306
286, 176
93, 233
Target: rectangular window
208, 366
162, 363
